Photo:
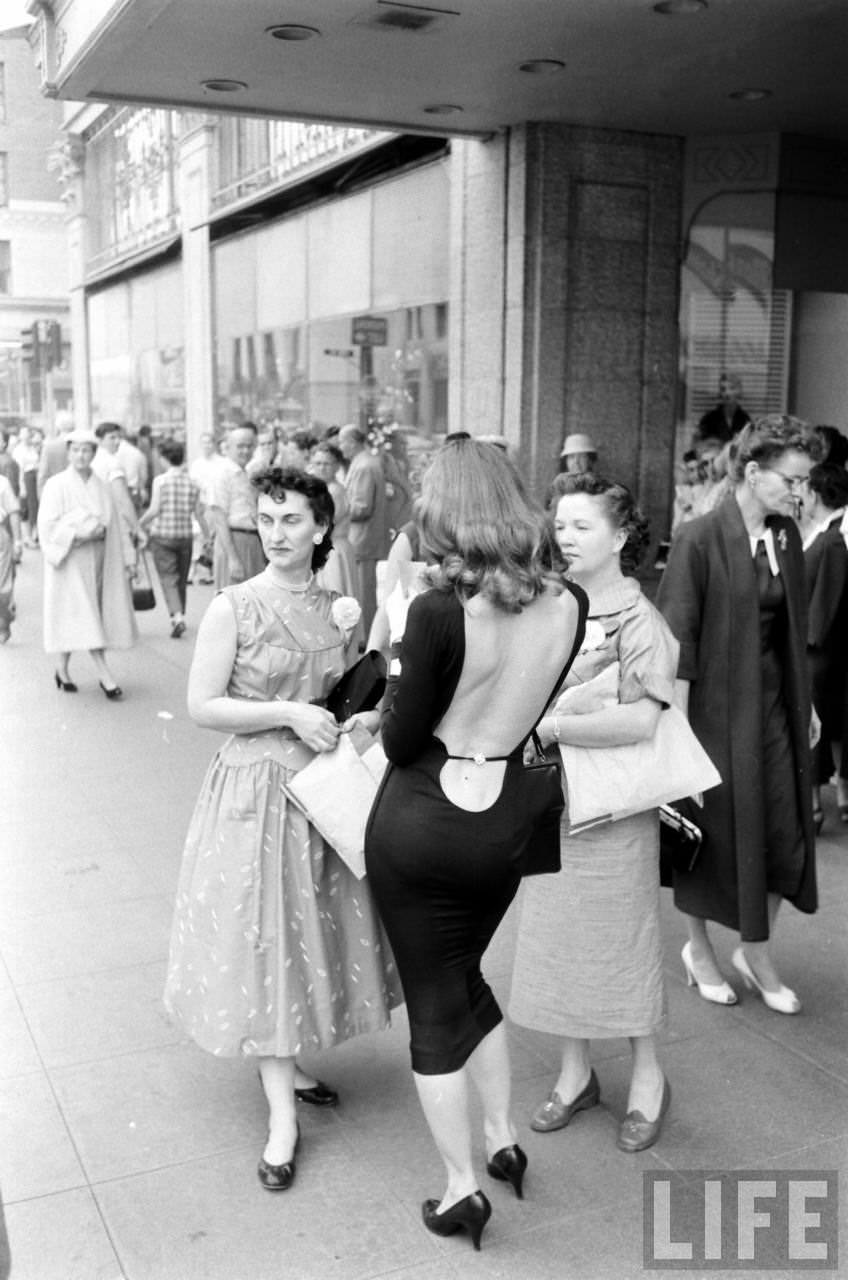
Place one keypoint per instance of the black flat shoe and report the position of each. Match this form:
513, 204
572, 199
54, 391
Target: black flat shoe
472, 1213
509, 1165
318, 1095
112, 694
278, 1177
67, 686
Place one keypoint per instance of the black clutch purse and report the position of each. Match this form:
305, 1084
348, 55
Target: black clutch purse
680, 843
543, 778
360, 688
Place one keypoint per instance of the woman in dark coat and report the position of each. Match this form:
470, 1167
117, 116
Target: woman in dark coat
735, 597
826, 564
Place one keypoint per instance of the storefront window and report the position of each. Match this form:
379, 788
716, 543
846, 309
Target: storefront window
315, 376
136, 352
733, 321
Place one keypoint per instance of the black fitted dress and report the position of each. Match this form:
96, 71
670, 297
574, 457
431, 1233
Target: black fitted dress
442, 877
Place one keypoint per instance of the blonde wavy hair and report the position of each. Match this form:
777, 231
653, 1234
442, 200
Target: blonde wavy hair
488, 535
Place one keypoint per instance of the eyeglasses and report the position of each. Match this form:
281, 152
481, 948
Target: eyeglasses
795, 483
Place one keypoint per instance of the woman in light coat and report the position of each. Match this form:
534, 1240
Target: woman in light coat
88, 561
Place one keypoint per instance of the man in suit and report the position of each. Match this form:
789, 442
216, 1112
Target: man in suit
366, 493
728, 418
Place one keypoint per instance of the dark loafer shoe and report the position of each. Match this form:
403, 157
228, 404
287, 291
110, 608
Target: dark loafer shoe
636, 1133
278, 1177
318, 1095
555, 1114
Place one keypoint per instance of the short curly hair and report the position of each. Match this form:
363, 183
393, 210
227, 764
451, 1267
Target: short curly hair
619, 507
486, 533
767, 438
276, 482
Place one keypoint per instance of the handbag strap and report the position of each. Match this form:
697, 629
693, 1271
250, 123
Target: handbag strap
582, 612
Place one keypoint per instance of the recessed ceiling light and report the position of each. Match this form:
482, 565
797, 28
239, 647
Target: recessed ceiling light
542, 66
750, 95
224, 86
443, 109
675, 8
292, 31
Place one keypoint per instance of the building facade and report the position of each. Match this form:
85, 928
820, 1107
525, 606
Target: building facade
558, 264
34, 335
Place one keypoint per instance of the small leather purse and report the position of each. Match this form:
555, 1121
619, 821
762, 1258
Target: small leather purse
543, 780
360, 688
680, 842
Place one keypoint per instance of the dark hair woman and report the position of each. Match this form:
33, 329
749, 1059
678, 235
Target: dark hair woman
735, 597
481, 655
826, 565
588, 962
276, 947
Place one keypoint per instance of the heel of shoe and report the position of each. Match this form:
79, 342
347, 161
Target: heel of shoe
472, 1213
509, 1165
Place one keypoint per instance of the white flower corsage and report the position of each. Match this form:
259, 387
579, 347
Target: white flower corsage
781, 538
346, 612
594, 636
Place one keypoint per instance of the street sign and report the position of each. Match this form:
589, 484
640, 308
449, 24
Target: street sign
369, 331
344, 353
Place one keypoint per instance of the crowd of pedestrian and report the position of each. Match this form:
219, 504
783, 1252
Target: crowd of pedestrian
501, 622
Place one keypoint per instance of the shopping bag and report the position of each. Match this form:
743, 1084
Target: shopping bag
142, 585
336, 791
608, 783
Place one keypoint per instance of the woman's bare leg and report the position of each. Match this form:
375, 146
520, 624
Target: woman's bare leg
704, 960
646, 1082
488, 1067
444, 1100
277, 1075
758, 954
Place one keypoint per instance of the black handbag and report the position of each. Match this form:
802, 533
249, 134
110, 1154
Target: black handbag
543, 778
142, 587
360, 688
680, 842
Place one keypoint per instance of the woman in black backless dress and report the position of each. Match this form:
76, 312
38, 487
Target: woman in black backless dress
482, 654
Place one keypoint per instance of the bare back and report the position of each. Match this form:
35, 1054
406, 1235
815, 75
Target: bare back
512, 664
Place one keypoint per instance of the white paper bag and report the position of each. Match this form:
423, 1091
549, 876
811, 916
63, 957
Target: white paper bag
607, 783
336, 791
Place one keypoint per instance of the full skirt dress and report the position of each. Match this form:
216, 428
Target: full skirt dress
276, 947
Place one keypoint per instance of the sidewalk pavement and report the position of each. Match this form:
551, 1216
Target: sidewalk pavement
127, 1152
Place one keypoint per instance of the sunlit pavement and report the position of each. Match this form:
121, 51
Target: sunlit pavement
127, 1152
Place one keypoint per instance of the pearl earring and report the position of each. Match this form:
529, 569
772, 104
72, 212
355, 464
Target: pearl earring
317, 538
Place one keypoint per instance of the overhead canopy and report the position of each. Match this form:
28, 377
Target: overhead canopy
455, 66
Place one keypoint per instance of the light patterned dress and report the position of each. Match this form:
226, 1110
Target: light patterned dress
588, 960
276, 947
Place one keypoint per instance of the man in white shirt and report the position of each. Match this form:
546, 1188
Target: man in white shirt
238, 550
134, 466
106, 465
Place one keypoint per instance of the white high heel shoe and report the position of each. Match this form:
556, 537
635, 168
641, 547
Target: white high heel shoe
784, 1000
718, 993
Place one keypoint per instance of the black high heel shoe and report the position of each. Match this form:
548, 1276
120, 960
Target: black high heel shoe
278, 1177
509, 1165
67, 686
472, 1213
112, 694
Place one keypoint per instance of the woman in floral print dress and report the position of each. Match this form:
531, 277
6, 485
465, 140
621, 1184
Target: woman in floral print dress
276, 947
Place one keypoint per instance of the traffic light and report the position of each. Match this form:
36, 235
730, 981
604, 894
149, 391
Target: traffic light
52, 342
31, 348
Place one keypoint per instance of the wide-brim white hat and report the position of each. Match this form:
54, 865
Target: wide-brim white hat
578, 443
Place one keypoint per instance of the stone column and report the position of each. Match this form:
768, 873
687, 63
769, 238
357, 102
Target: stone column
194, 176
564, 294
